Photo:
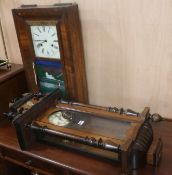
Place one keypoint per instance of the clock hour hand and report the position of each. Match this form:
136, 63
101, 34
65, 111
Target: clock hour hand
40, 44
55, 47
41, 40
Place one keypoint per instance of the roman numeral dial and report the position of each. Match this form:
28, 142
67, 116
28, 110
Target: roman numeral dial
45, 41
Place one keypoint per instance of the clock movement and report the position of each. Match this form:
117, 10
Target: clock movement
52, 51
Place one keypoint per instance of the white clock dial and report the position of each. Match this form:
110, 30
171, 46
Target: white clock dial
45, 41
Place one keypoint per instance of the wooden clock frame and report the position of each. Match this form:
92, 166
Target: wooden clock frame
67, 21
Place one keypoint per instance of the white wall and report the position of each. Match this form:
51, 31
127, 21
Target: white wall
128, 50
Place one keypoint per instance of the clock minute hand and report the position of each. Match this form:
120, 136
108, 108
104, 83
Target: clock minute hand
55, 47
41, 40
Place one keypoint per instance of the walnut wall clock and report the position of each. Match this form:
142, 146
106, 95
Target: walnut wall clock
51, 47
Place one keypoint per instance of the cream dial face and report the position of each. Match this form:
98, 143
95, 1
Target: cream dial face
58, 119
45, 41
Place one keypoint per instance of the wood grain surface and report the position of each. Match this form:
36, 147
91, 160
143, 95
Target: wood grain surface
63, 160
12, 85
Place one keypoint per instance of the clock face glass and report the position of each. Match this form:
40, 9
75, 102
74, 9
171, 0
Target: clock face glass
45, 41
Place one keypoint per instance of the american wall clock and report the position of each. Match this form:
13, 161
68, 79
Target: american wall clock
50, 42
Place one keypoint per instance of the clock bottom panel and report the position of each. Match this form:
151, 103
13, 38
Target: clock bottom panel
50, 76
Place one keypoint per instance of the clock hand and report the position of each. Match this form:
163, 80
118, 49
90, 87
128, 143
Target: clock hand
40, 44
43, 50
55, 47
41, 40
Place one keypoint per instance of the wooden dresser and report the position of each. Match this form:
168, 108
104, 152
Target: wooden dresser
51, 160
12, 84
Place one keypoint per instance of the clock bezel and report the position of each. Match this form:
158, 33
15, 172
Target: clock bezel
46, 23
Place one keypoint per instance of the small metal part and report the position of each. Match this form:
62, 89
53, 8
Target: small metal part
112, 109
67, 115
121, 111
38, 95
130, 112
10, 115
156, 117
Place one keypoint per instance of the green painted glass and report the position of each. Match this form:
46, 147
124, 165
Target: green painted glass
50, 76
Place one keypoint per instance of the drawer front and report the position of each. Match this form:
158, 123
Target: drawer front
31, 162
11, 89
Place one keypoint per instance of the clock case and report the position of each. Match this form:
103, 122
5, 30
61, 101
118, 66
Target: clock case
66, 19
121, 136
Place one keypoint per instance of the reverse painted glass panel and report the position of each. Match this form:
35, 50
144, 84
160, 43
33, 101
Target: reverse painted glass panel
50, 76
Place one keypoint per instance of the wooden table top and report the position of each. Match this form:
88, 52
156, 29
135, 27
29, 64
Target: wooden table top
79, 163
5, 73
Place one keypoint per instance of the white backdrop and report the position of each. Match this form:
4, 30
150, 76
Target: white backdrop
128, 50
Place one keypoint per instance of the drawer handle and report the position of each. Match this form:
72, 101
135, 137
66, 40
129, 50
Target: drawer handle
29, 162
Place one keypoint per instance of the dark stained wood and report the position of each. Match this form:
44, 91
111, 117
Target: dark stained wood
11, 168
6, 74
53, 160
67, 21
101, 135
12, 85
